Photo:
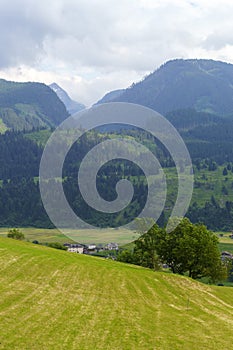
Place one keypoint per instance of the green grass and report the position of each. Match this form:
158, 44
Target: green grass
226, 247
40, 234
58, 300
225, 242
97, 236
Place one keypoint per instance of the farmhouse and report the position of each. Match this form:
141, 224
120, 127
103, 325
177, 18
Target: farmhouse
91, 247
75, 248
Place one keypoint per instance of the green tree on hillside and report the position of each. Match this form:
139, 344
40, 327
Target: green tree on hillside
190, 249
15, 233
145, 251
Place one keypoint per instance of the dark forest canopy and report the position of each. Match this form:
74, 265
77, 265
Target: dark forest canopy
20, 202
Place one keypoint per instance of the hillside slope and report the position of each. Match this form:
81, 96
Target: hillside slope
58, 300
24, 106
204, 85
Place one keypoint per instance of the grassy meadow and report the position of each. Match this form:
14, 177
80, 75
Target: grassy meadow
52, 299
97, 236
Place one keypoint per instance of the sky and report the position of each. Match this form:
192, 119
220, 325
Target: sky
90, 47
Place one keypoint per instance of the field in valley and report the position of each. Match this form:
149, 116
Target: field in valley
97, 236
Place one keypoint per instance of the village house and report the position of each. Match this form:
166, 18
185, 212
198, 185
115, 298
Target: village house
89, 249
75, 248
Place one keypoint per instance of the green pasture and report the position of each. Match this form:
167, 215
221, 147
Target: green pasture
52, 299
97, 236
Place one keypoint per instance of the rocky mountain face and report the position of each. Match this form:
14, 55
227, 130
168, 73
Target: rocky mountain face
71, 105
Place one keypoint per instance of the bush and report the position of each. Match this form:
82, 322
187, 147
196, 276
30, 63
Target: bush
15, 234
56, 245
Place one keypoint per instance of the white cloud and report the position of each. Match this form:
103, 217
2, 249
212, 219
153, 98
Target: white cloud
91, 47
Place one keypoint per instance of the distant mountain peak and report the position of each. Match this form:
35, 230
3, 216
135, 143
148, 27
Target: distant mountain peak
71, 105
55, 87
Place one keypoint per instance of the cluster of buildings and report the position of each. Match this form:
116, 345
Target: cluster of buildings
90, 248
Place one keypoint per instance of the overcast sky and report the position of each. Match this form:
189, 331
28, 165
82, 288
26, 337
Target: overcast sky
90, 47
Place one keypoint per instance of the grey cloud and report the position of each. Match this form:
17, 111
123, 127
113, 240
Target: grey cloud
21, 35
106, 38
217, 41
117, 35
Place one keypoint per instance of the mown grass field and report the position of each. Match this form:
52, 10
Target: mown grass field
57, 300
97, 236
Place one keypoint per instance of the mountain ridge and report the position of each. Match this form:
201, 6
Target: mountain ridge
202, 84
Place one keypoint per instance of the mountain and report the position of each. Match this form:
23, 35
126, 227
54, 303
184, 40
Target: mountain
71, 105
200, 84
55, 297
24, 106
111, 96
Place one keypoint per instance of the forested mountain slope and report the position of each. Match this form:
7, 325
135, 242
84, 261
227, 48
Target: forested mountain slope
204, 85
24, 106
